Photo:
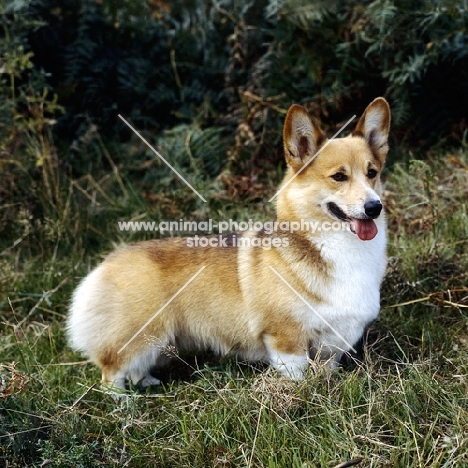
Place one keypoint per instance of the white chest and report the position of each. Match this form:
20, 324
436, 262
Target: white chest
352, 296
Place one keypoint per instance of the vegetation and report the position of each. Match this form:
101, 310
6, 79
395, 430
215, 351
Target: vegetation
208, 84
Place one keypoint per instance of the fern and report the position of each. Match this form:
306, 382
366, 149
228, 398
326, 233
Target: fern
306, 14
193, 63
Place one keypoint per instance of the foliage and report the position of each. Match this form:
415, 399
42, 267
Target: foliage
338, 55
28, 157
154, 64
161, 64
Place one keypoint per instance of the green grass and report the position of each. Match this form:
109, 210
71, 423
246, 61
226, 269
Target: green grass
404, 403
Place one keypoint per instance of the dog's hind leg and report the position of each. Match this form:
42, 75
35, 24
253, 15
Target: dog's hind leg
143, 377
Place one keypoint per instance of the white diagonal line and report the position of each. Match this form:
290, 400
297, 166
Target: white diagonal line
160, 157
161, 309
312, 158
311, 308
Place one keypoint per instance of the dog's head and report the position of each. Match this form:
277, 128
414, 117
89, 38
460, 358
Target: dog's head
337, 179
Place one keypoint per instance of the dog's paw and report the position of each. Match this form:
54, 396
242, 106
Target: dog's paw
150, 380
290, 365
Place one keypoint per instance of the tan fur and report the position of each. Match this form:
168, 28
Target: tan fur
237, 303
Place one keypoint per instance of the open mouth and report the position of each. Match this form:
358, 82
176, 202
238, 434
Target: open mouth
365, 229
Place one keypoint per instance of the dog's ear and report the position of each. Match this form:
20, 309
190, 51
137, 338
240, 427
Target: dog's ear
302, 137
374, 126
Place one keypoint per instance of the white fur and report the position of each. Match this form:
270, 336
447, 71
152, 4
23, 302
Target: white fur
85, 323
353, 298
289, 365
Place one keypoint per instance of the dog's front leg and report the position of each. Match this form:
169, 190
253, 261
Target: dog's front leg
330, 356
289, 365
287, 358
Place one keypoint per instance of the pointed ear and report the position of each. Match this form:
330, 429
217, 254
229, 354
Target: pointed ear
374, 126
301, 136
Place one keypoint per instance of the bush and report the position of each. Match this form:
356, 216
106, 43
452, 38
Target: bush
235, 66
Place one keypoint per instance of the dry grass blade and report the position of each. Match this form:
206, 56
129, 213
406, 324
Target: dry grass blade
12, 382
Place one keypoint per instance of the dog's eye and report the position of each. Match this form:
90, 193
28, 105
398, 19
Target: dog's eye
371, 173
339, 177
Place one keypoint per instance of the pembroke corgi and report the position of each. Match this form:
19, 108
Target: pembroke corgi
310, 292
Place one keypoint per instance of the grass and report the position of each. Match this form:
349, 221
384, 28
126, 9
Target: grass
401, 403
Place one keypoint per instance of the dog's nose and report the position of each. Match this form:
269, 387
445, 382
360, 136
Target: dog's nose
373, 208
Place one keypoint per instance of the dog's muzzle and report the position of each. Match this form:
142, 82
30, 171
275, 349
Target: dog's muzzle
364, 226
338, 212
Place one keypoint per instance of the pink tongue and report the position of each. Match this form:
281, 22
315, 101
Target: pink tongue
364, 228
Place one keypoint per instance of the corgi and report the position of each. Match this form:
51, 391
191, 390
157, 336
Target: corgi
310, 295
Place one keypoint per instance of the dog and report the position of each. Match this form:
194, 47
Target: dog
309, 294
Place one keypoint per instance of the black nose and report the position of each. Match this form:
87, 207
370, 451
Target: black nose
373, 208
